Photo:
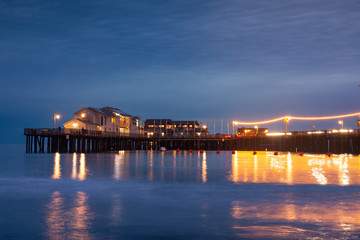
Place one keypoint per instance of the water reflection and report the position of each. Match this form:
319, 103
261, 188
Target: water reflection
204, 168
116, 210
119, 168
55, 219
294, 169
57, 167
81, 218
74, 167
150, 167
343, 216
82, 167
63, 223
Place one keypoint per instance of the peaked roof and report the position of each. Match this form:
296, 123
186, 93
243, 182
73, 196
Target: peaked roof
107, 111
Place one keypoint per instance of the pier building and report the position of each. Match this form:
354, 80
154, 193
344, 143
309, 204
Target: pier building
106, 119
168, 127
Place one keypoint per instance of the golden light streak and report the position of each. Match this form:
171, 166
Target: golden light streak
57, 167
55, 218
74, 167
81, 218
82, 167
258, 123
297, 118
150, 171
119, 169
204, 169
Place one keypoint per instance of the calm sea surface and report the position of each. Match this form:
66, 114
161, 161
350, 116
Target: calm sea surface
169, 195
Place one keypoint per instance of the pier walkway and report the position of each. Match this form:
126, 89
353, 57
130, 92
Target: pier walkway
70, 140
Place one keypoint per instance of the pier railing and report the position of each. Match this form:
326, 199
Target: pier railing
83, 132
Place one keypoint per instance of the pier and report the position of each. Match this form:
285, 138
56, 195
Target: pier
74, 140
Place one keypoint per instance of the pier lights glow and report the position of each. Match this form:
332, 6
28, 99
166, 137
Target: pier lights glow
341, 122
83, 115
56, 117
288, 118
316, 132
278, 134
75, 125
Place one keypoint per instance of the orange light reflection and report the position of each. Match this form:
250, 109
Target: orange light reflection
294, 169
57, 167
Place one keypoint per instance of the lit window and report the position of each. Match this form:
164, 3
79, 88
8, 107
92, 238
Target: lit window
190, 126
151, 126
112, 120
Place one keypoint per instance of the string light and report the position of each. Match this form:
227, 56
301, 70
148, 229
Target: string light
297, 118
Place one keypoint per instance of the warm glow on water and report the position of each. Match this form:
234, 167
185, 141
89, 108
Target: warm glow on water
204, 169
65, 223
287, 168
57, 167
144, 194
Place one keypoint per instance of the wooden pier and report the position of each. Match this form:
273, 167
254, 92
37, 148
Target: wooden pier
69, 140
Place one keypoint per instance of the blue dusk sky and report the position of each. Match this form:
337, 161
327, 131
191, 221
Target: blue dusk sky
204, 60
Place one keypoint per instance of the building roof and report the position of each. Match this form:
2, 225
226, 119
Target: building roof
158, 121
83, 121
186, 122
114, 111
107, 111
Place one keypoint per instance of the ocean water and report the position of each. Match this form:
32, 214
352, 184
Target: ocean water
170, 195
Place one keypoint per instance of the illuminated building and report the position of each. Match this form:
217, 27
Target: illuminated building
106, 119
168, 127
251, 131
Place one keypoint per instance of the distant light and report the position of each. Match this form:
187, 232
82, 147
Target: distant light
83, 115
278, 134
75, 125
256, 127
316, 132
288, 118
57, 116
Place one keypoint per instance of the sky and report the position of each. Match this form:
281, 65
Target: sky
181, 59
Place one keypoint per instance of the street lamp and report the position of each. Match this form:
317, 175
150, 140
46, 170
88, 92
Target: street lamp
56, 117
286, 121
341, 122
257, 128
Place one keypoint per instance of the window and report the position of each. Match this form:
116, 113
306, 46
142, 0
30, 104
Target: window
102, 120
150, 126
112, 120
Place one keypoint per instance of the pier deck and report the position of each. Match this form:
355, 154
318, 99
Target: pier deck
69, 140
